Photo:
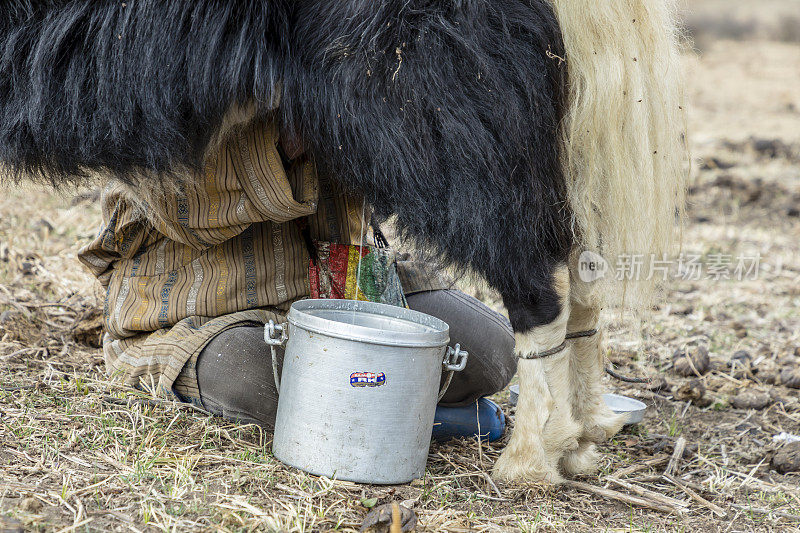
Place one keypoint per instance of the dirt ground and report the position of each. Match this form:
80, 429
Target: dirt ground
81, 453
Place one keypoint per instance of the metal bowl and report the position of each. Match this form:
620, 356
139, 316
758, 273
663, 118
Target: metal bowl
618, 403
622, 404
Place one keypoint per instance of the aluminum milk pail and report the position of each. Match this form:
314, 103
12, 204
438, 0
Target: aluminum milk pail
358, 389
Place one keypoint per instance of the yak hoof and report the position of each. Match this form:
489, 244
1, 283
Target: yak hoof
519, 467
582, 461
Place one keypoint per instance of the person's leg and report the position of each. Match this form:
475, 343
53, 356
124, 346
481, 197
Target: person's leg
484, 333
234, 374
234, 370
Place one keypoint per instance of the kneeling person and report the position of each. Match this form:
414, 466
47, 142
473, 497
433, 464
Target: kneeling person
192, 276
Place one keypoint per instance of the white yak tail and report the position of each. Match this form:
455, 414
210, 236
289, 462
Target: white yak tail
623, 132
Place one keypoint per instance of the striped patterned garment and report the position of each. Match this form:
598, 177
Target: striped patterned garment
180, 268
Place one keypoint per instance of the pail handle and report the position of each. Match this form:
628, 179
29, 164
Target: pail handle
276, 335
455, 360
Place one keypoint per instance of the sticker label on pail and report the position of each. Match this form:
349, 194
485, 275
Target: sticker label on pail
367, 379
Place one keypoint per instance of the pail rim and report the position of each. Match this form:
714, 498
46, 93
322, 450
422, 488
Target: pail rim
370, 322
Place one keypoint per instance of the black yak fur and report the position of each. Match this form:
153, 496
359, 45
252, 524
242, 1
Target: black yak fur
444, 113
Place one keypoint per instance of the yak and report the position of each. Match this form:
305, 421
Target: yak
505, 136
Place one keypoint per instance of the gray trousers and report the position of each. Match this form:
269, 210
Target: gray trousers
234, 371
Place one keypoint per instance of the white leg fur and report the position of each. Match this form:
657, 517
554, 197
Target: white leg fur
544, 428
586, 371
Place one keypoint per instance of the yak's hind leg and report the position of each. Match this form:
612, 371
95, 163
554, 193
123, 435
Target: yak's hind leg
544, 429
598, 422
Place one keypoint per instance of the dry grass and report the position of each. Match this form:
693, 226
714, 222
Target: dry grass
79, 452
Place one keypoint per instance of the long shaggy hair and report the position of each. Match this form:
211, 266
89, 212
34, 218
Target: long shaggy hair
623, 130
129, 89
451, 115
445, 114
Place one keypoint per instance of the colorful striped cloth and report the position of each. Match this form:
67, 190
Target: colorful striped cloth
355, 273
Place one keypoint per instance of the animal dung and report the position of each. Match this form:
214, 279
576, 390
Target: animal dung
694, 391
790, 377
691, 361
750, 399
787, 459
